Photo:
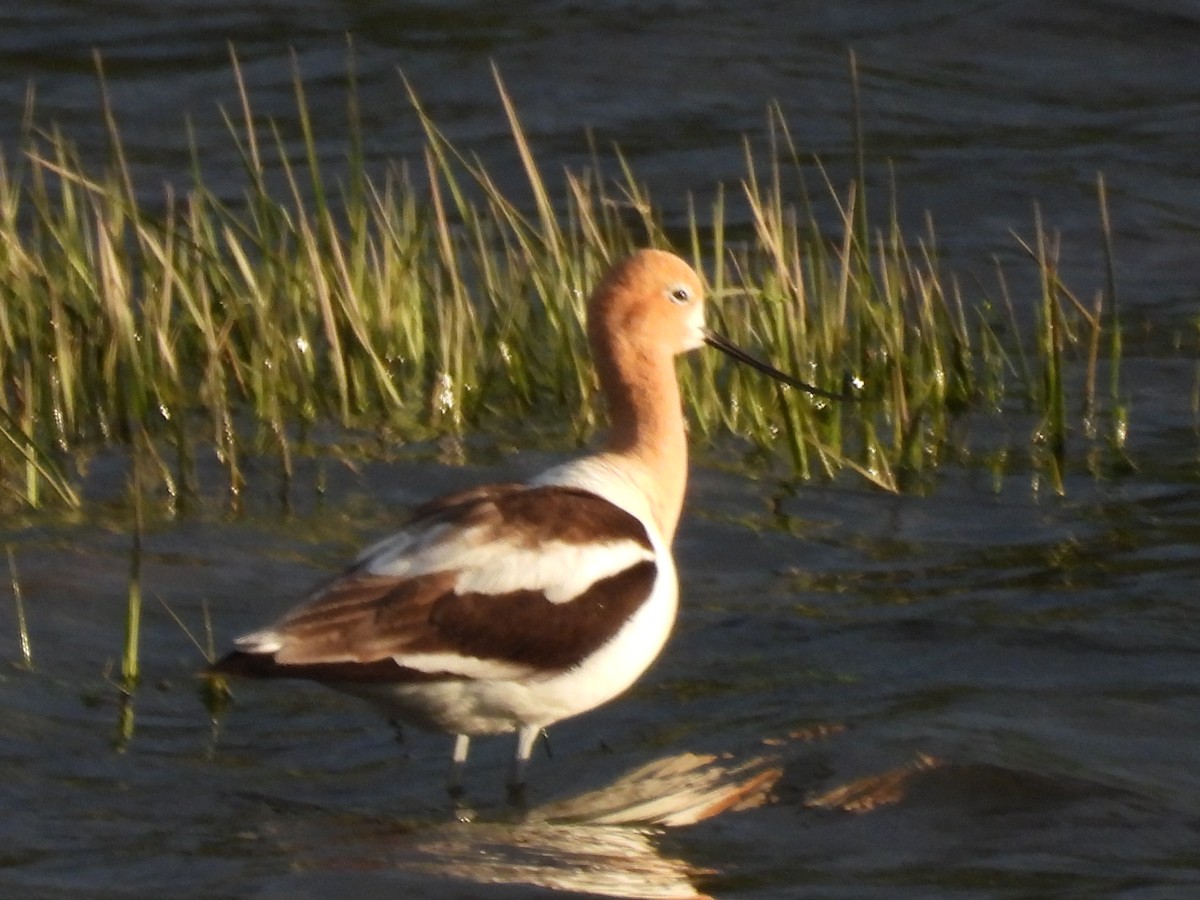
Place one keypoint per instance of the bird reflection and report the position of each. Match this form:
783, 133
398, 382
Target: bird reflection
603, 842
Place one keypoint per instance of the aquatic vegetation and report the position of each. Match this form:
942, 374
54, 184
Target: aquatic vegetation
19, 603
427, 303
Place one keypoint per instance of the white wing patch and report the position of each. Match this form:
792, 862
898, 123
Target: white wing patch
560, 570
403, 546
266, 641
462, 666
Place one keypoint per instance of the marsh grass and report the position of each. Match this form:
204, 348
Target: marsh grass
131, 670
427, 302
19, 603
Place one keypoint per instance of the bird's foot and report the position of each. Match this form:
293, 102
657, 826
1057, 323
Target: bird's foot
462, 810
518, 795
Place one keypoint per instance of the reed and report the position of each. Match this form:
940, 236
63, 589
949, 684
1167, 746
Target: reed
130, 667
131, 655
428, 302
1118, 406
19, 603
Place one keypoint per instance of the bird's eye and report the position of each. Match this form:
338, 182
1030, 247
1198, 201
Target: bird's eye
680, 295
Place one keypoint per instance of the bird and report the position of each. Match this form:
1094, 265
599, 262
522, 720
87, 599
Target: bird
512, 606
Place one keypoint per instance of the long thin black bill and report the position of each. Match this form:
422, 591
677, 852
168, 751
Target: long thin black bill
725, 346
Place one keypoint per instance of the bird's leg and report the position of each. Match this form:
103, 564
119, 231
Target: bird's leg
527, 736
458, 762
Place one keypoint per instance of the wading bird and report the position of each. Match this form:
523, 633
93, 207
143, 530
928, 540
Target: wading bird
513, 606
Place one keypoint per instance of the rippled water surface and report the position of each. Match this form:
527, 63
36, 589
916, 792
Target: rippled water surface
988, 691
970, 694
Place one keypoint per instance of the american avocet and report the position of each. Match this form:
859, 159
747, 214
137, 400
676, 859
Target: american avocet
512, 606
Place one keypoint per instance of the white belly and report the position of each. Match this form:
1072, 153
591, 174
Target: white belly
462, 706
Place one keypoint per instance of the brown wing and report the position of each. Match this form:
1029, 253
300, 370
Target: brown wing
499, 582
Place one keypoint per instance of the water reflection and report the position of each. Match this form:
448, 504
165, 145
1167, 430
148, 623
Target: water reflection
870, 792
603, 842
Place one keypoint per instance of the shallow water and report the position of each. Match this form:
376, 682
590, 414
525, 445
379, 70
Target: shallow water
978, 693
988, 691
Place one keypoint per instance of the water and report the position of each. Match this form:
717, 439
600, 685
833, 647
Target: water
983, 107
1042, 650
985, 692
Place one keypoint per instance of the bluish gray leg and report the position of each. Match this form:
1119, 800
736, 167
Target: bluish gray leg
527, 736
458, 762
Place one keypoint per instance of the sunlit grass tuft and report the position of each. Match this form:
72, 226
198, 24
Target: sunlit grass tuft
428, 302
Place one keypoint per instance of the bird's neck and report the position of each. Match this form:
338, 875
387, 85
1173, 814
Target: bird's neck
647, 436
